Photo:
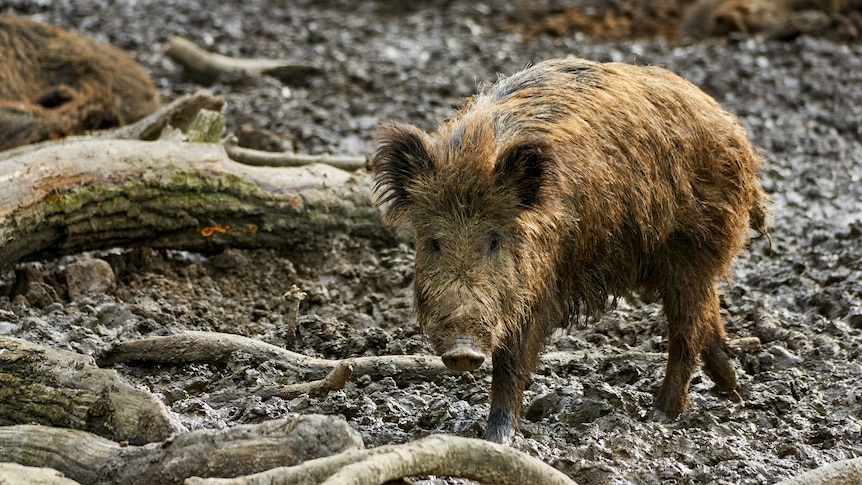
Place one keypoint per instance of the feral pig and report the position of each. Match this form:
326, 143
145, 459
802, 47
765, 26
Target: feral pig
55, 83
555, 191
778, 19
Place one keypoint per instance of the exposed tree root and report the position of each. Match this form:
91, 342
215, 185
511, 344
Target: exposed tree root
442, 455
217, 348
336, 379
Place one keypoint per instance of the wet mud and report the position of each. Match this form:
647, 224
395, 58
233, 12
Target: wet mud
800, 99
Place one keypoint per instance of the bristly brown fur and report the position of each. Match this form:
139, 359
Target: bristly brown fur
560, 188
56, 83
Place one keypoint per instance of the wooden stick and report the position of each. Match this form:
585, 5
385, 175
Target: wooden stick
290, 159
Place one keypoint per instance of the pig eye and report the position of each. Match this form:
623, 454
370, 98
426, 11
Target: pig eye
435, 245
494, 242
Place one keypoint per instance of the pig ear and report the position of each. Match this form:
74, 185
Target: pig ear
526, 167
402, 157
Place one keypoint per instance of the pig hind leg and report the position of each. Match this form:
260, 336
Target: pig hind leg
695, 330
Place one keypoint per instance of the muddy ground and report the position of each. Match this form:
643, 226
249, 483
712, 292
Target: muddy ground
801, 99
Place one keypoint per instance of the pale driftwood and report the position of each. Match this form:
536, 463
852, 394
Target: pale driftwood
240, 450
15, 474
844, 472
290, 159
93, 194
441, 455
60, 388
206, 67
216, 348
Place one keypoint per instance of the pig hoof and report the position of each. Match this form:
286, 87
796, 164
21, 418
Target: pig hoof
500, 428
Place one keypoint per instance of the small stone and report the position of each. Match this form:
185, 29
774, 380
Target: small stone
89, 276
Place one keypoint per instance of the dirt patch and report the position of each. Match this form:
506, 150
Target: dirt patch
800, 99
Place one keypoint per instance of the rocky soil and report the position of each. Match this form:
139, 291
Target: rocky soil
800, 98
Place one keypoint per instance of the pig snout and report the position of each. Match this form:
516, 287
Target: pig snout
463, 355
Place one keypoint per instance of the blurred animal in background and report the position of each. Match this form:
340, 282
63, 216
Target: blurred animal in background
55, 83
778, 19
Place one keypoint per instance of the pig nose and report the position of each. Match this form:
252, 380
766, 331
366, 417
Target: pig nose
463, 356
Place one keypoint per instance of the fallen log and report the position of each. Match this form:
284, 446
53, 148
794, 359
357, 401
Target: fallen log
63, 198
60, 388
441, 455
240, 450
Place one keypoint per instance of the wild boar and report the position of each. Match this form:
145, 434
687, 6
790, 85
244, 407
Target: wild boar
557, 190
55, 83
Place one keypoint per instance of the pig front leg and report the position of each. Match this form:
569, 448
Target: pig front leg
513, 363
507, 397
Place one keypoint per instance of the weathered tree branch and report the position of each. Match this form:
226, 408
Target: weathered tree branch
89, 459
453, 456
59, 388
217, 348
70, 197
206, 67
